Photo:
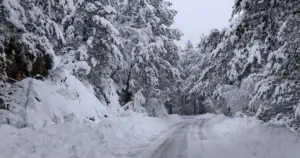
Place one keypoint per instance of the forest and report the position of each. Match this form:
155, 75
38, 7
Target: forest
108, 78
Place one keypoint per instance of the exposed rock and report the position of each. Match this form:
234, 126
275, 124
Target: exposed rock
21, 63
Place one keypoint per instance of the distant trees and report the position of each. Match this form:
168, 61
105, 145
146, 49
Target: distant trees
252, 65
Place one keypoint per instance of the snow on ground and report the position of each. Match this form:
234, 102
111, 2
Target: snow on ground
247, 137
37, 103
64, 119
216, 136
112, 137
132, 134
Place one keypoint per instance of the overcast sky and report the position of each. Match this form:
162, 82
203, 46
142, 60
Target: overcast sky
196, 17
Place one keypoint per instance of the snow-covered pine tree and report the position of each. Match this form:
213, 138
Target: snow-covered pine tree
148, 41
268, 57
255, 60
109, 44
204, 69
101, 37
189, 46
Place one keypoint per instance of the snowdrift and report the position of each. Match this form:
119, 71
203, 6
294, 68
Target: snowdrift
112, 137
39, 103
248, 137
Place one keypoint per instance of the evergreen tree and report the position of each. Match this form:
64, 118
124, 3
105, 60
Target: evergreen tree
254, 60
112, 45
189, 45
149, 48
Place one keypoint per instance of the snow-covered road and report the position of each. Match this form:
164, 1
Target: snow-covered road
137, 136
218, 136
178, 141
178, 144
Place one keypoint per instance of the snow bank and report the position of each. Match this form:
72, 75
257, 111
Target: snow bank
62, 118
112, 137
248, 138
71, 98
42, 103
175, 117
198, 117
221, 126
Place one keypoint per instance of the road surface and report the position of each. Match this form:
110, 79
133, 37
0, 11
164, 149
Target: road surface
221, 137
179, 142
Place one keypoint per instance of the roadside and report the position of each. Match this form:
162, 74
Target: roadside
247, 137
111, 138
214, 136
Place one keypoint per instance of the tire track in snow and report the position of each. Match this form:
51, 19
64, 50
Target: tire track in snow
201, 134
196, 137
146, 150
181, 143
173, 147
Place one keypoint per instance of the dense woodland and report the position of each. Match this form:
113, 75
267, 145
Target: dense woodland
251, 66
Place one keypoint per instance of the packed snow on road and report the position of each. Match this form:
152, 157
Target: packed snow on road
136, 136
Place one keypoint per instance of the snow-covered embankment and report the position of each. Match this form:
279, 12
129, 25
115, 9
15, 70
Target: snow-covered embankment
112, 137
248, 138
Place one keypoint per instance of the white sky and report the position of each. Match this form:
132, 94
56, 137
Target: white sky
196, 17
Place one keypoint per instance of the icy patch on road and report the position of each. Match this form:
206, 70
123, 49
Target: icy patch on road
112, 137
248, 138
